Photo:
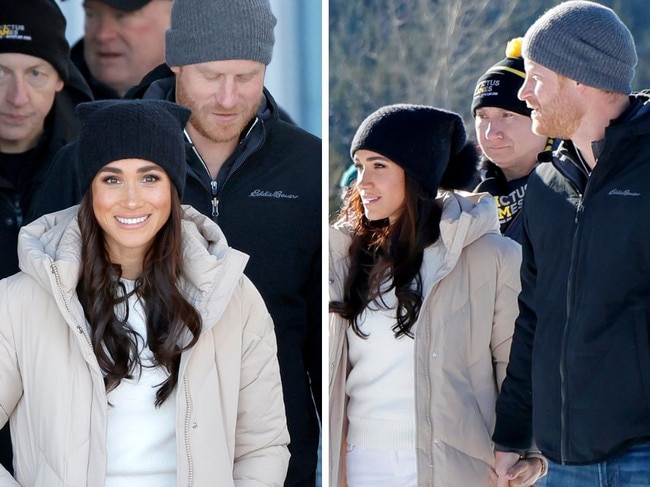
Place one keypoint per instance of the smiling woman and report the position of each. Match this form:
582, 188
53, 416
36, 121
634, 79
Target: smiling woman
113, 326
406, 255
131, 201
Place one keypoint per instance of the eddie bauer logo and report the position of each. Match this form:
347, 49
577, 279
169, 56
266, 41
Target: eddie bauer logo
260, 193
622, 192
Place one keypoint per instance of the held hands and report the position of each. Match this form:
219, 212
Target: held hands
513, 471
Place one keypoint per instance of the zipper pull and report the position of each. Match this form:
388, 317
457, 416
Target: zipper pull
579, 211
215, 200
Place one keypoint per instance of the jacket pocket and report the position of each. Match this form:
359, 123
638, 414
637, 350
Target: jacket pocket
609, 362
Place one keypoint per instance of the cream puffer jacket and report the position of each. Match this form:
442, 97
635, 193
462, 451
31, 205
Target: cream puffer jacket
231, 425
462, 344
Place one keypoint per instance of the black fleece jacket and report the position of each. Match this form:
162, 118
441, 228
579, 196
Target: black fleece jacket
578, 381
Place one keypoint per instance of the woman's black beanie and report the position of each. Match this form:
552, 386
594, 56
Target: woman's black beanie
429, 143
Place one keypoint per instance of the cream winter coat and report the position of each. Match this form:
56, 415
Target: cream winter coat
231, 426
462, 345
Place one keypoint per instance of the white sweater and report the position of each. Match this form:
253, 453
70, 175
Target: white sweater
381, 382
141, 439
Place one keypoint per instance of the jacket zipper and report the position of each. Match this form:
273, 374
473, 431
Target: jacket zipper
427, 372
564, 434
565, 333
213, 182
188, 403
80, 329
431, 466
214, 185
215, 199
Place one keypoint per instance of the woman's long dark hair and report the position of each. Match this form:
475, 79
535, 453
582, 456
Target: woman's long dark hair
385, 256
168, 313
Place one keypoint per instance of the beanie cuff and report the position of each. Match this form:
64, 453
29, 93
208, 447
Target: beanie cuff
219, 30
177, 55
597, 75
521, 109
112, 130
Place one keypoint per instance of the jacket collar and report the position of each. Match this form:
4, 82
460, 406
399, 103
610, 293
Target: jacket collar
465, 218
49, 251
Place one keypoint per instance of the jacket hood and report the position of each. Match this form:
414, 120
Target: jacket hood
49, 250
75, 91
489, 168
642, 95
638, 115
465, 218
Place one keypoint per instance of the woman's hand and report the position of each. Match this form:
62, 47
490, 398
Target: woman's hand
512, 471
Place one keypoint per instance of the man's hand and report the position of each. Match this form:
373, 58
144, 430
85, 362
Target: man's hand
512, 471
504, 462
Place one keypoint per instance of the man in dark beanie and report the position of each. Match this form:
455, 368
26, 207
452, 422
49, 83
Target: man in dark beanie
255, 175
503, 130
38, 93
578, 379
123, 40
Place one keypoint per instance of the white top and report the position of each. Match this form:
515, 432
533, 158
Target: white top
141, 439
381, 382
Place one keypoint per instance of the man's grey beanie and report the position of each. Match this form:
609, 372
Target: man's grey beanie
219, 30
586, 42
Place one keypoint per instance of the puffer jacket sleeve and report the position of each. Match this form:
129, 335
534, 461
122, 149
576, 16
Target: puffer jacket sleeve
505, 306
261, 453
10, 381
